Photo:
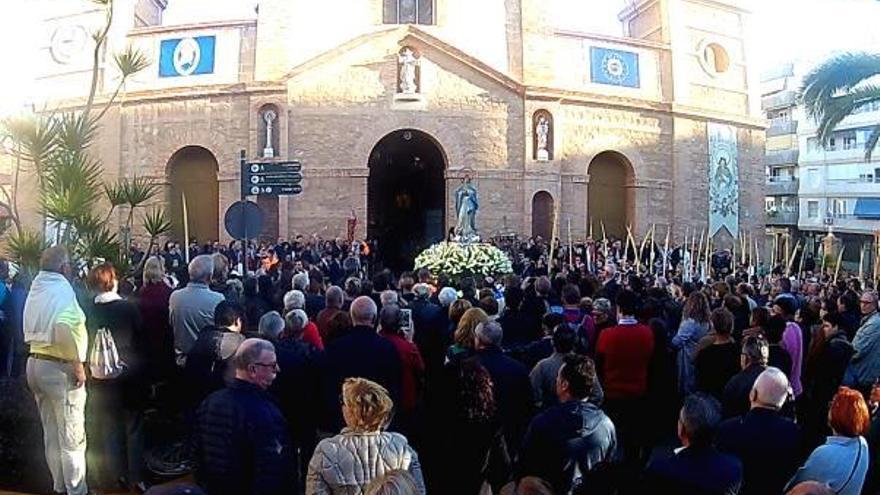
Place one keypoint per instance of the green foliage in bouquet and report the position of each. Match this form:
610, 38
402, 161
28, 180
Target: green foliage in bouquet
455, 260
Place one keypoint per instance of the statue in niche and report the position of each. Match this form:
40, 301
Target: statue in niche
269, 117
542, 133
408, 63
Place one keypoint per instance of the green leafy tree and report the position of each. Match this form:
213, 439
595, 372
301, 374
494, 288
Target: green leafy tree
54, 147
838, 87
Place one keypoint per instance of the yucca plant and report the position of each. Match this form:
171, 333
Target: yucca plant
70, 180
156, 224
838, 87
24, 249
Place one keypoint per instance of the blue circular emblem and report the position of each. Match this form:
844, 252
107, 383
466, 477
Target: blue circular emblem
614, 67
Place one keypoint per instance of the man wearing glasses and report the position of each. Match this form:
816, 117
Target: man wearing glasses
865, 363
241, 436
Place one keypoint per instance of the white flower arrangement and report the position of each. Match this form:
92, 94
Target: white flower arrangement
456, 260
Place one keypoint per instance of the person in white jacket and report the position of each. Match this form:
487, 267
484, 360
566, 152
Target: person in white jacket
346, 463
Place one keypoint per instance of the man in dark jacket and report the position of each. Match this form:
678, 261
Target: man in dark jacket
431, 332
735, 399
512, 388
207, 365
297, 383
241, 437
767, 443
574, 433
358, 353
697, 468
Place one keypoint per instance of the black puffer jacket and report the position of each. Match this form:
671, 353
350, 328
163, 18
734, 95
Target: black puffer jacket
242, 444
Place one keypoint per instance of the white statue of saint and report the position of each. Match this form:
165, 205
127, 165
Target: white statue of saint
408, 62
542, 132
269, 117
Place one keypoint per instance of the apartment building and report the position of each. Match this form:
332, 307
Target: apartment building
812, 189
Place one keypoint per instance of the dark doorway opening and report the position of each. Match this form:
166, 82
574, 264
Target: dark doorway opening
406, 197
542, 215
192, 171
609, 196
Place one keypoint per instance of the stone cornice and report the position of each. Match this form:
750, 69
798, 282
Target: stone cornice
634, 42
148, 30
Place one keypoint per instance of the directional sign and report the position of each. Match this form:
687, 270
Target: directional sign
275, 189
271, 178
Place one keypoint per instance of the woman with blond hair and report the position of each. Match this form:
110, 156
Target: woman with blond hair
348, 462
152, 301
463, 338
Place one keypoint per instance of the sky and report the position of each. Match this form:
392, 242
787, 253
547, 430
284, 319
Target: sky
782, 30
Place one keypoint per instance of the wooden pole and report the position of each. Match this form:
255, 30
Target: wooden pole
554, 233
185, 228
666, 251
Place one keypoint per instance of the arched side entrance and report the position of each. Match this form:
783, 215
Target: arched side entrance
542, 215
406, 196
193, 170
610, 201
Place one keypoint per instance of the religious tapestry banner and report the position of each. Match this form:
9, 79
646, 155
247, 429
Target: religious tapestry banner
723, 179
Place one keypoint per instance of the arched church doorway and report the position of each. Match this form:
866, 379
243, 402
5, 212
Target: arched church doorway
192, 171
542, 215
609, 199
406, 196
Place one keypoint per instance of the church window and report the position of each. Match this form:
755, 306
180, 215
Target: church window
408, 11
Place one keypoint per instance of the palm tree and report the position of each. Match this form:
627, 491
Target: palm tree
839, 86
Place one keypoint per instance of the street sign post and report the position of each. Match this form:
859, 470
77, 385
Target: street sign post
262, 179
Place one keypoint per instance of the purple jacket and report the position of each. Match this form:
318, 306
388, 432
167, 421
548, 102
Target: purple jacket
793, 343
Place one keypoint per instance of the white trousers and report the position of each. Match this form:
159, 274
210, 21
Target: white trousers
62, 412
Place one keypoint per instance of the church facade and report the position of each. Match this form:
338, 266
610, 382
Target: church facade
390, 105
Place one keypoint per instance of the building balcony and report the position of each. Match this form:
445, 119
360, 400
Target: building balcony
777, 72
782, 186
779, 127
782, 99
788, 217
781, 157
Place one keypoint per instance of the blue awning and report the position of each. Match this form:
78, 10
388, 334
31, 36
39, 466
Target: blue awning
867, 208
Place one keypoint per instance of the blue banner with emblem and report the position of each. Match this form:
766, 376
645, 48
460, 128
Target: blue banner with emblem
186, 56
614, 67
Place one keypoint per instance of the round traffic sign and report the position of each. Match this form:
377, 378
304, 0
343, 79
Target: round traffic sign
244, 220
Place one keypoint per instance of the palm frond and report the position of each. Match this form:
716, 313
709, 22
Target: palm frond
37, 136
138, 190
101, 245
25, 248
156, 222
76, 132
130, 61
842, 106
838, 74
115, 194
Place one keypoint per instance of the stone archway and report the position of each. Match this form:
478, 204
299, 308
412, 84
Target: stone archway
192, 170
406, 196
610, 199
542, 215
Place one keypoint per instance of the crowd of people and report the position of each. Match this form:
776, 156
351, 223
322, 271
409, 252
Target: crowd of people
311, 371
